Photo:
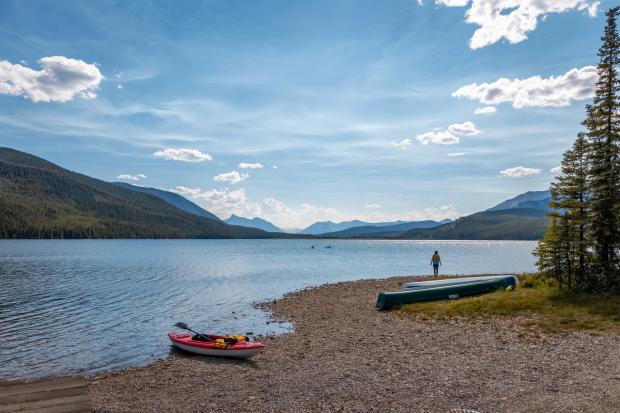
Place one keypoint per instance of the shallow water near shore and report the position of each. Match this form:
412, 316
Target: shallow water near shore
80, 307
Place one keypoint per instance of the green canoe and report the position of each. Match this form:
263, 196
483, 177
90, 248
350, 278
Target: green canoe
395, 298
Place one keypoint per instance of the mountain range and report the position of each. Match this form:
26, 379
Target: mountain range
329, 227
41, 200
383, 231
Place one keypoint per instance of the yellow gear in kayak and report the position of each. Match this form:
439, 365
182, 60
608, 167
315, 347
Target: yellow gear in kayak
236, 339
219, 343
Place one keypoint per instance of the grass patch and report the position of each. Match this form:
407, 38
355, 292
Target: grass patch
540, 304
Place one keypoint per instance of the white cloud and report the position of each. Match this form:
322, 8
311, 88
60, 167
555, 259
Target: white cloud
519, 172
487, 110
452, 3
556, 170
455, 154
373, 206
274, 166
128, 177
464, 129
183, 154
232, 177
441, 137
225, 202
60, 80
556, 91
434, 213
437, 214
244, 165
403, 144
450, 136
186, 191
513, 19
284, 216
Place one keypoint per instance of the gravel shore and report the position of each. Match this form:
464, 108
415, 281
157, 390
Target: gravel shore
345, 356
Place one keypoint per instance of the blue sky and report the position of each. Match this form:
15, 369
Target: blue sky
339, 109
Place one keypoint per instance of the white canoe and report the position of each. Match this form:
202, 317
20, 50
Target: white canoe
452, 281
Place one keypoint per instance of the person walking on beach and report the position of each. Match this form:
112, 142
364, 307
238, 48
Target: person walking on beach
436, 262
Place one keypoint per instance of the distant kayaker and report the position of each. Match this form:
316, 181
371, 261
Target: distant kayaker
436, 262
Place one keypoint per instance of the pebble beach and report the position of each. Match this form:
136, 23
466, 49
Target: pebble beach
346, 356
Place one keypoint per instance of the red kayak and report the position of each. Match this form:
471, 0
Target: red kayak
222, 346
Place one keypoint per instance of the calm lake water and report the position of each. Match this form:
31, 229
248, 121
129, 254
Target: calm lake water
72, 307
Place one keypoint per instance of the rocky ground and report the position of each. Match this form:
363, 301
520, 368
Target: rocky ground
345, 356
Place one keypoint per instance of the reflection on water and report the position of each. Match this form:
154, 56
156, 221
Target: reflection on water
85, 306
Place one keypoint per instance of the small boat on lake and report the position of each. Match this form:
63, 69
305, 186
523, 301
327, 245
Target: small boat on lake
216, 345
452, 288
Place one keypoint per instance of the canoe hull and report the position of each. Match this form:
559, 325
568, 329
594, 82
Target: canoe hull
418, 285
241, 350
387, 300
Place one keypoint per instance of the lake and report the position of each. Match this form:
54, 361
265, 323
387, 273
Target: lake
86, 306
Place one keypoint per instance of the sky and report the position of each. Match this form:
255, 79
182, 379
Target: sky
301, 111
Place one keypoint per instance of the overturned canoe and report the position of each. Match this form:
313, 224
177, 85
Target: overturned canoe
442, 292
418, 285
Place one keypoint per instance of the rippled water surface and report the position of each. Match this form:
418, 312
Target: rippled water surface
71, 307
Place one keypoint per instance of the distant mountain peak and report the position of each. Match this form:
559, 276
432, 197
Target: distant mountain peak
255, 222
529, 199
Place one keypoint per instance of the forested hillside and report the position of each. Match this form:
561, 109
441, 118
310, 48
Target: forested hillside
511, 224
41, 200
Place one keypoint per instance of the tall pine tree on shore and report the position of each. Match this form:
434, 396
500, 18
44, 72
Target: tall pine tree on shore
603, 137
582, 245
571, 201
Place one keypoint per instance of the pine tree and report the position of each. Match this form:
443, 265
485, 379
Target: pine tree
603, 136
571, 199
548, 250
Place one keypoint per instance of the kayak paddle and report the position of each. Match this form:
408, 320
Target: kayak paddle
184, 326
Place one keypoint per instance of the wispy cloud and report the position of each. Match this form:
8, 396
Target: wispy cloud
456, 154
128, 177
244, 165
451, 136
464, 129
442, 137
373, 206
402, 144
556, 170
519, 172
60, 80
452, 3
183, 154
232, 177
487, 110
556, 91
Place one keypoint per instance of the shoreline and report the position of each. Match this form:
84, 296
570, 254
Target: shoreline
343, 355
